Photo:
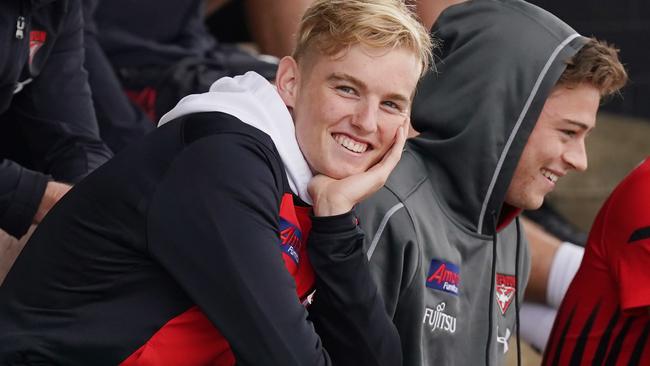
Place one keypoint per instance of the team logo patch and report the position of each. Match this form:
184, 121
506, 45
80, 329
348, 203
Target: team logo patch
443, 276
290, 236
505, 291
36, 41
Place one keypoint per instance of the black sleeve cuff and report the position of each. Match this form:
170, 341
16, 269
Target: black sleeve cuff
26, 198
334, 224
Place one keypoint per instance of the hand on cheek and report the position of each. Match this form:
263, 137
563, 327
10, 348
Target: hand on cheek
338, 196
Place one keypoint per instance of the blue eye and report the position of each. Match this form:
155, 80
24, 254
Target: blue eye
392, 105
346, 89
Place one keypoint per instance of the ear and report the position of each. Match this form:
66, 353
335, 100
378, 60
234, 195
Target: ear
287, 80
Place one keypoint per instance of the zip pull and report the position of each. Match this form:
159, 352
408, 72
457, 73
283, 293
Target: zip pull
20, 27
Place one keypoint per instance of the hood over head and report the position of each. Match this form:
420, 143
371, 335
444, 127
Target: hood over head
500, 61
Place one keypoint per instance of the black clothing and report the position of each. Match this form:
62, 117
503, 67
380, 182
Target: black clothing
46, 116
120, 121
188, 216
160, 62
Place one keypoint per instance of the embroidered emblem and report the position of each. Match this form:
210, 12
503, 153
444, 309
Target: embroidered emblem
443, 276
505, 291
504, 340
290, 236
36, 41
438, 319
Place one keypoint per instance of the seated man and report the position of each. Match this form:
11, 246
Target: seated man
190, 248
504, 118
605, 316
49, 136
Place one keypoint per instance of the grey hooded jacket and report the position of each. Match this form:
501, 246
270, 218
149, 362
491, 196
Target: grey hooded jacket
443, 246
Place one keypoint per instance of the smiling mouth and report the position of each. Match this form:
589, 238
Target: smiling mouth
550, 176
350, 144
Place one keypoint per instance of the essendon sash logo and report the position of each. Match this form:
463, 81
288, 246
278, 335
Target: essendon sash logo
443, 276
36, 41
505, 291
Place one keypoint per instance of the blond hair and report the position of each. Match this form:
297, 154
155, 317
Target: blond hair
597, 64
331, 26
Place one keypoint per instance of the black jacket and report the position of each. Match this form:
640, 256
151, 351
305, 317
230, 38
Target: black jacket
195, 222
46, 115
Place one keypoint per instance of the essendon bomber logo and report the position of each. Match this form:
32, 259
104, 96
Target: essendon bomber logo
505, 291
443, 276
290, 236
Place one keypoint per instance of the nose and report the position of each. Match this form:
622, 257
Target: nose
576, 156
366, 117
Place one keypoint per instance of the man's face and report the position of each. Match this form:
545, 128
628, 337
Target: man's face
347, 108
555, 146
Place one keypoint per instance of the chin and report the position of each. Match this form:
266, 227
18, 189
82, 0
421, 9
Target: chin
340, 172
533, 204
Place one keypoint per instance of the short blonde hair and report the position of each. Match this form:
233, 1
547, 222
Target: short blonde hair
331, 26
597, 64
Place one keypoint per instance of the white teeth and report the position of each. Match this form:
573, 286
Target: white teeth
550, 176
350, 144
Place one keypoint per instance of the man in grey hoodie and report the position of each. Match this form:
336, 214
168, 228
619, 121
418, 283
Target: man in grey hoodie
504, 118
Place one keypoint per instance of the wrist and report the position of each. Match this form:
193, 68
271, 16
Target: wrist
53, 193
326, 207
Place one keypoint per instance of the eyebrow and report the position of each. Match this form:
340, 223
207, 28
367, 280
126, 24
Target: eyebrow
581, 125
363, 87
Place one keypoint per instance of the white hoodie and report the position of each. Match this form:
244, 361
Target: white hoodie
256, 102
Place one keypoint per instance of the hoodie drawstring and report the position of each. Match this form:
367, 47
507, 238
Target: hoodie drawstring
492, 284
518, 224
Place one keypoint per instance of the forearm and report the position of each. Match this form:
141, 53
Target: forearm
348, 312
554, 264
54, 191
543, 247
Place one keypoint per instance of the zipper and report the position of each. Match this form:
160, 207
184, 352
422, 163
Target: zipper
20, 27
20, 22
21, 30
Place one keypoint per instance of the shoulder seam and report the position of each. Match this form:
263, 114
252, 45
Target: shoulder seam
382, 226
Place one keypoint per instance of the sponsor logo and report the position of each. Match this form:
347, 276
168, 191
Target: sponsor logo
290, 236
309, 299
505, 291
438, 320
20, 27
504, 340
443, 276
36, 41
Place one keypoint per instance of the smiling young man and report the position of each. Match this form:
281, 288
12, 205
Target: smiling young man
556, 145
191, 247
504, 118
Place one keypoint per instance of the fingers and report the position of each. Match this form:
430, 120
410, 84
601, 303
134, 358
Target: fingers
336, 196
390, 160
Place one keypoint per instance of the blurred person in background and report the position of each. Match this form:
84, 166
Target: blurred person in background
49, 137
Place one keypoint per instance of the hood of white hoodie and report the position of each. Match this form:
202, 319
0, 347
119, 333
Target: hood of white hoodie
256, 102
